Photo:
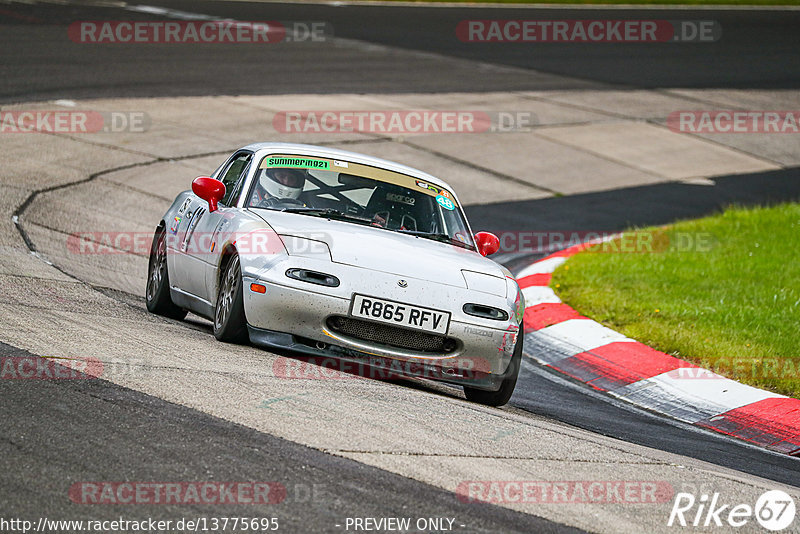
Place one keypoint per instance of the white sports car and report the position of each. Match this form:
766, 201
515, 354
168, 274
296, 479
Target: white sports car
333, 253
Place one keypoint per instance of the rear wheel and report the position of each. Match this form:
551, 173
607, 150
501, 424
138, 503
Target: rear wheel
229, 320
502, 395
157, 293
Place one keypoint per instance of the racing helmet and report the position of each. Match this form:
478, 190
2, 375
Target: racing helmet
283, 183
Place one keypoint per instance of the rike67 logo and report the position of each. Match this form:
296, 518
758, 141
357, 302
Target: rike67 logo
774, 510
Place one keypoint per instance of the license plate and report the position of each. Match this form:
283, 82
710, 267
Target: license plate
400, 314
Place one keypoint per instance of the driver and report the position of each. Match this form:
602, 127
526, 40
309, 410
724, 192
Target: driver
279, 187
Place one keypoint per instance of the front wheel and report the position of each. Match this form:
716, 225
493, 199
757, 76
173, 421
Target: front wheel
229, 321
502, 395
157, 294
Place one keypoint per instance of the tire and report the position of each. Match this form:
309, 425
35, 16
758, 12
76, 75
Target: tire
502, 395
157, 291
230, 325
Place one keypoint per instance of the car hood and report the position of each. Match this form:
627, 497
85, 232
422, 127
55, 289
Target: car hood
391, 252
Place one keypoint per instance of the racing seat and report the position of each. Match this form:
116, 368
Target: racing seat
397, 208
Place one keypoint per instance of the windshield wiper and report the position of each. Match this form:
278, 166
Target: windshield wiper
331, 213
444, 238
306, 209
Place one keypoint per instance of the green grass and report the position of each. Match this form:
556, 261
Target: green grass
731, 305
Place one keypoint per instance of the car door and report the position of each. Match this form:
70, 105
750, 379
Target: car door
182, 268
200, 244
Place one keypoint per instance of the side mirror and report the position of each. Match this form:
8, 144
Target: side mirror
487, 242
210, 190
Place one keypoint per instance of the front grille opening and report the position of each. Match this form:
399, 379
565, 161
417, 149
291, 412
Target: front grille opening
392, 336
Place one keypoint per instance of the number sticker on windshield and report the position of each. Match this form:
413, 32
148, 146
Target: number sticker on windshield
445, 202
296, 162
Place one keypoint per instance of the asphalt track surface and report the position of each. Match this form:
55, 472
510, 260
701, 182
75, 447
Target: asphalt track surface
150, 439
619, 209
760, 51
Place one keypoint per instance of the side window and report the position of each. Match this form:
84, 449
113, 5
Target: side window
233, 176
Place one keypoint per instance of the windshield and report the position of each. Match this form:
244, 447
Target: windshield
359, 194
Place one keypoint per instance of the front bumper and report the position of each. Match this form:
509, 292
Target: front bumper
294, 316
459, 372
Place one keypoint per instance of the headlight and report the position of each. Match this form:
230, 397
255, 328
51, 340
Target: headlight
307, 248
484, 283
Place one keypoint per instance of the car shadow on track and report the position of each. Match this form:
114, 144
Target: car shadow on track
296, 366
302, 366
